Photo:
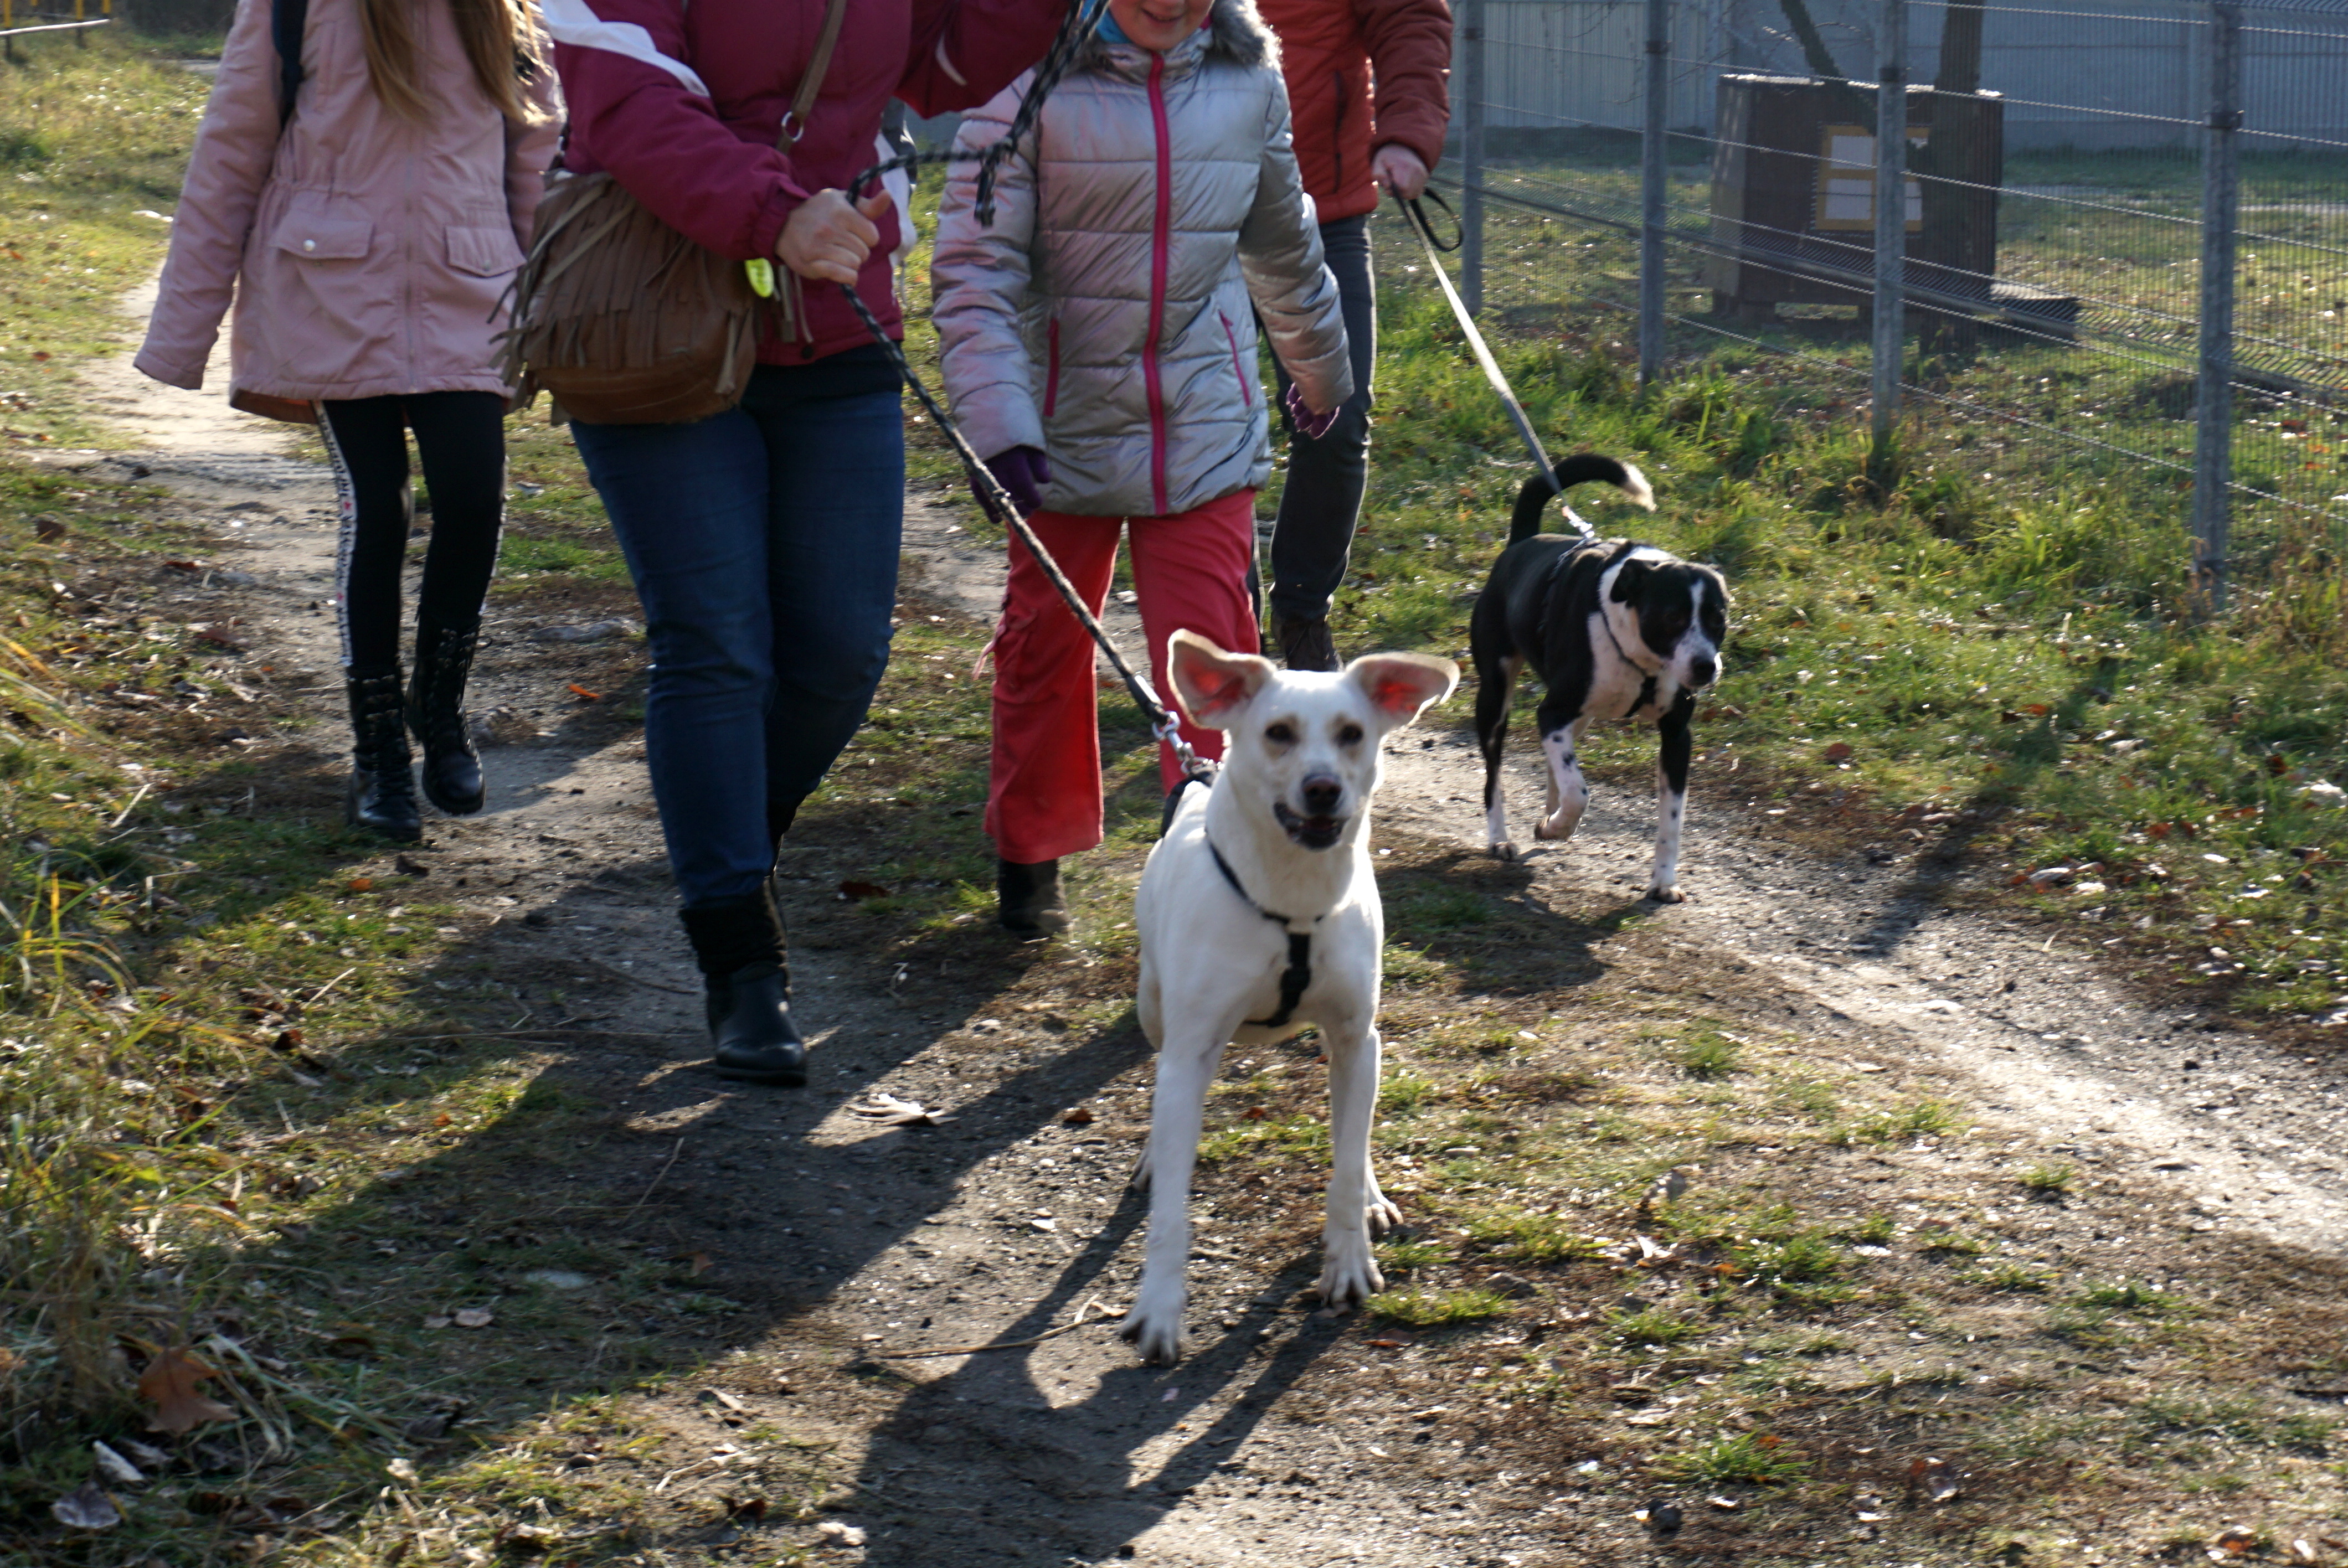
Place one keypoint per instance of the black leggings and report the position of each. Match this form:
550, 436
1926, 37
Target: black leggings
460, 435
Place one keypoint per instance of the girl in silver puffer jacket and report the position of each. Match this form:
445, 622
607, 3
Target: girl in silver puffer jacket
1100, 348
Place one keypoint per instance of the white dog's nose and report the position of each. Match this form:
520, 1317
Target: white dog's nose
1321, 793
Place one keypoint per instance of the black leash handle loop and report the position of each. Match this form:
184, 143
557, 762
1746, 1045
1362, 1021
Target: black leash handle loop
1419, 219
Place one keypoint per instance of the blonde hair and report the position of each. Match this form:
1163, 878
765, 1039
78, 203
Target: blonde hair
495, 37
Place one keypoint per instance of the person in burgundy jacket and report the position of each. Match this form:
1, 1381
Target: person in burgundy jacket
764, 541
1368, 85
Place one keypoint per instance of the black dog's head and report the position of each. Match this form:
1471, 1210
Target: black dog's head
1681, 611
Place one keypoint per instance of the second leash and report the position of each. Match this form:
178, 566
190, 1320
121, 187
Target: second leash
1416, 216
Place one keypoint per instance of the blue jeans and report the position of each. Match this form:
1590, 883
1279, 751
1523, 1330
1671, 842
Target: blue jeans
763, 542
1322, 502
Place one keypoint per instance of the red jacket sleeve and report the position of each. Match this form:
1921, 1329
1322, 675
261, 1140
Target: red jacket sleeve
966, 51
653, 133
1410, 52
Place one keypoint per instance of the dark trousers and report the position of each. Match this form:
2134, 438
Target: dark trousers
1322, 501
763, 542
461, 438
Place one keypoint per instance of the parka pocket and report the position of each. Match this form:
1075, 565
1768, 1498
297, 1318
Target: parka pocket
484, 252
318, 228
1247, 381
1051, 365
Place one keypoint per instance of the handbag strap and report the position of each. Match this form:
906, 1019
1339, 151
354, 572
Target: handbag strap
288, 20
803, 101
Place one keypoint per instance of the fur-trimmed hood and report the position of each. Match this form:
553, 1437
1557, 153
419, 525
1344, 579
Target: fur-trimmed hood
1233, 32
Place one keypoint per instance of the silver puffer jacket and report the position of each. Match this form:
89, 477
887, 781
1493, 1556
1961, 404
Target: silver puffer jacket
1104, 317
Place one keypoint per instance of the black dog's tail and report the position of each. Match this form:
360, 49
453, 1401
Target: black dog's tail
1578, 469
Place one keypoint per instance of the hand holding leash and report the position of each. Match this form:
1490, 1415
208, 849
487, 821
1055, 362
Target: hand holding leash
1023, 473
827, 238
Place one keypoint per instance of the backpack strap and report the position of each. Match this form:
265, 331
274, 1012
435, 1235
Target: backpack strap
288, 20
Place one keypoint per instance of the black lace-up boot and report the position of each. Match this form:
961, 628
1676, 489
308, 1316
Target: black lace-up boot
436, 713
739, 946
382, 791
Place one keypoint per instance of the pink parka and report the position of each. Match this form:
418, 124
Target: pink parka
368, 253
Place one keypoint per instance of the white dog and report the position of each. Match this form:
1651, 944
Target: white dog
1258, 914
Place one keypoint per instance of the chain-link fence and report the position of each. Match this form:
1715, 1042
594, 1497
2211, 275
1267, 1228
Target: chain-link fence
2115, 250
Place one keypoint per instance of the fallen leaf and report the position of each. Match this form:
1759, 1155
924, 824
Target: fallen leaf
1936, 1477
438, 1320
2036, 710
577, 690
1726, 1504
728, 1401
39, 355
1253, 1113
362, 884
1649, 1418
1076, 1116
1838, 753
49, 528
442, 1119
1386, 1344
407, 867
170, 1381
87, 1507
856, 892
753, 1509
891, 1112
473, 1317
838, 1535
2235, 1540
115, 1468
696, 1266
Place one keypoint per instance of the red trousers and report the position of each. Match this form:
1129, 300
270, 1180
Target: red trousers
1190, 569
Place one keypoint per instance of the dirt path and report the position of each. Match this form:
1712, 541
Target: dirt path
842, 1240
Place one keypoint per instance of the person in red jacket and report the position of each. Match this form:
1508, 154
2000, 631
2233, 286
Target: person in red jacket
1368, 85
763, 541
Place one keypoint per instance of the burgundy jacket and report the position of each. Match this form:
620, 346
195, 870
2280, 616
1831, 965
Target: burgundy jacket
1329, 51
684, 104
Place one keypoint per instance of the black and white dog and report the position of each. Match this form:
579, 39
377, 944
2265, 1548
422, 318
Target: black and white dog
1615, 629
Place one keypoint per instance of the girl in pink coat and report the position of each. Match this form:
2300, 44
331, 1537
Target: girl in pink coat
367, 230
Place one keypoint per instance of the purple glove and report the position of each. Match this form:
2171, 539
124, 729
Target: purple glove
1023, 472
1302, 420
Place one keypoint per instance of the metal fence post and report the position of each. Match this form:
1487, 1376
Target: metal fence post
1654, 168
2213, 404
1890, 218
1471, 157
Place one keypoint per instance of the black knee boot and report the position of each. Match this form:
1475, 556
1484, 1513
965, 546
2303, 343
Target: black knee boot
436, 713
740, 946
382, 791
1028, 898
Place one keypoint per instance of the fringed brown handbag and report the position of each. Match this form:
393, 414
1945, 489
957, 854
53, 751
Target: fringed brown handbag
623, 320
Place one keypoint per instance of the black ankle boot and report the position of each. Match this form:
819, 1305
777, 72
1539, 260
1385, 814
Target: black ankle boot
740, 946
1028, 898
436, 713
382, 793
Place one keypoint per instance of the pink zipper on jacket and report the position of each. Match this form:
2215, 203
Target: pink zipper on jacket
1160, 229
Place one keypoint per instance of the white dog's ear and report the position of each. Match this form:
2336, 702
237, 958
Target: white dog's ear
1211, 683
1399, 685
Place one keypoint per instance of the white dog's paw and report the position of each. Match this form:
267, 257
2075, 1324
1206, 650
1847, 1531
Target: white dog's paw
1381, 1213
1504, 849
1551, 829
1667, 893
1154, 1329
1350, 1277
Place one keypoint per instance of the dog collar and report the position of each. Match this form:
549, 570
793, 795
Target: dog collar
1647, 687
1294, 978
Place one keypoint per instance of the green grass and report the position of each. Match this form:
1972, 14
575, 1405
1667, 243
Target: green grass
2049, 1180
1754, 1457
1705, 1053
1652, 1325
1437, 1308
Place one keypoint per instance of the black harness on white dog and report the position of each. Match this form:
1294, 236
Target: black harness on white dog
1294, 978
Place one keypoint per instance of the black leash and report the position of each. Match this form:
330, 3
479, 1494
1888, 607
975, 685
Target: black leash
1294, 978
1435, 249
